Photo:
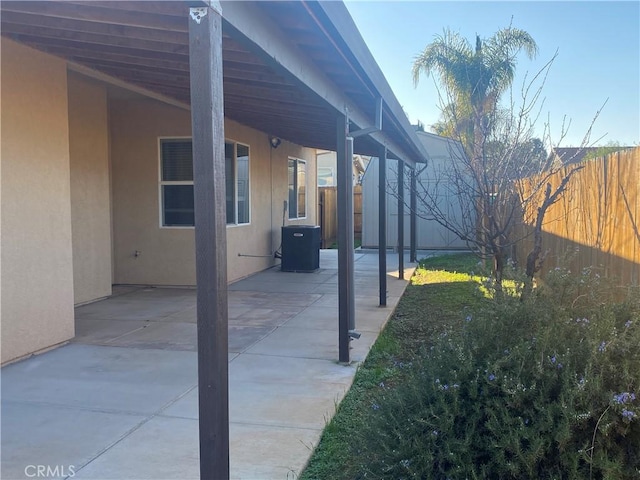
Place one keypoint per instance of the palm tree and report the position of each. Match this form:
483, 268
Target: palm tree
473, 79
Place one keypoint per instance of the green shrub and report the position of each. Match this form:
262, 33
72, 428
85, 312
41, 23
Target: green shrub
548, 387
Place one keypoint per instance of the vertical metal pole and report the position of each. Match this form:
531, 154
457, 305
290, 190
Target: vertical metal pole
400, 219
207, 119
351, 242
382, 224
413, 255
346, 294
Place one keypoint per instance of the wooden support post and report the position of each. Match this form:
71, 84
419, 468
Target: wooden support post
346, 293
400, 219
382, 224
413, 240
207, 123
351, 241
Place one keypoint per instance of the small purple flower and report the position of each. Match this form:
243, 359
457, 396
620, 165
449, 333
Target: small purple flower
375, 406
445, 387
469, 318
602, 347
628, 414
455, 385
624, 397
381, 384
627, 324
559, 366
492, 377
553, 359
434, 433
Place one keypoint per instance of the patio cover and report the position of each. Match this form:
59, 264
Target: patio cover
296, 70
288, 67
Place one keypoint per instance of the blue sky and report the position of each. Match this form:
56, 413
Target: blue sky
598, 59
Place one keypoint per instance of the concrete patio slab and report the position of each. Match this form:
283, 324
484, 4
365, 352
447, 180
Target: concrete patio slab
261, 452
241, 337
312, 389
163, 336
108, 379
120, 401
44, 434
141, 456
299, 343
103, 331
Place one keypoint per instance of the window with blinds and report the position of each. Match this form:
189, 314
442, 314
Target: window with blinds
176, 183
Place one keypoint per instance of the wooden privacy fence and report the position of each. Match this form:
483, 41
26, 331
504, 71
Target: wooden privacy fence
598, 217
328, 214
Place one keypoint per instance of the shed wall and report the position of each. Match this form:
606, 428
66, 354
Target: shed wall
430, 235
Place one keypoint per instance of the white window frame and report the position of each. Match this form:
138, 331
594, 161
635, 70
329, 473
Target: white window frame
162, 183
235, 144
298, 161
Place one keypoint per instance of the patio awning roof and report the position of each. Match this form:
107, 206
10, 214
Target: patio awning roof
289, 67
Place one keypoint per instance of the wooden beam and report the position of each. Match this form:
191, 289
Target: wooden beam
91, 56
413, 238
400, 219
207, 118
267, 104
91, 13
126, 85
284, 119
249, 25
179, 80
45, 34
382, 224
144, 7
43, 43
106, 64
346, 294
68, 24
339, 16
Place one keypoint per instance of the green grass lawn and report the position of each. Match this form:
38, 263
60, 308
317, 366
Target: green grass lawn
434, 299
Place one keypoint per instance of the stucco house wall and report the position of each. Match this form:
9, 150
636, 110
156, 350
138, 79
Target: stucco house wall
37, 261
166, 255
90, 189
80, 189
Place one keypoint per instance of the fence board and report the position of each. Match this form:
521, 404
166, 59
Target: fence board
599, 215
328, 214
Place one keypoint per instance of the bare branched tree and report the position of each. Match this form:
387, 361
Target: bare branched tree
497, 179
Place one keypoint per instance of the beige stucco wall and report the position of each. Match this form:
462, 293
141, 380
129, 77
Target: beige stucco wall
37, 271
90, 195
167, 255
